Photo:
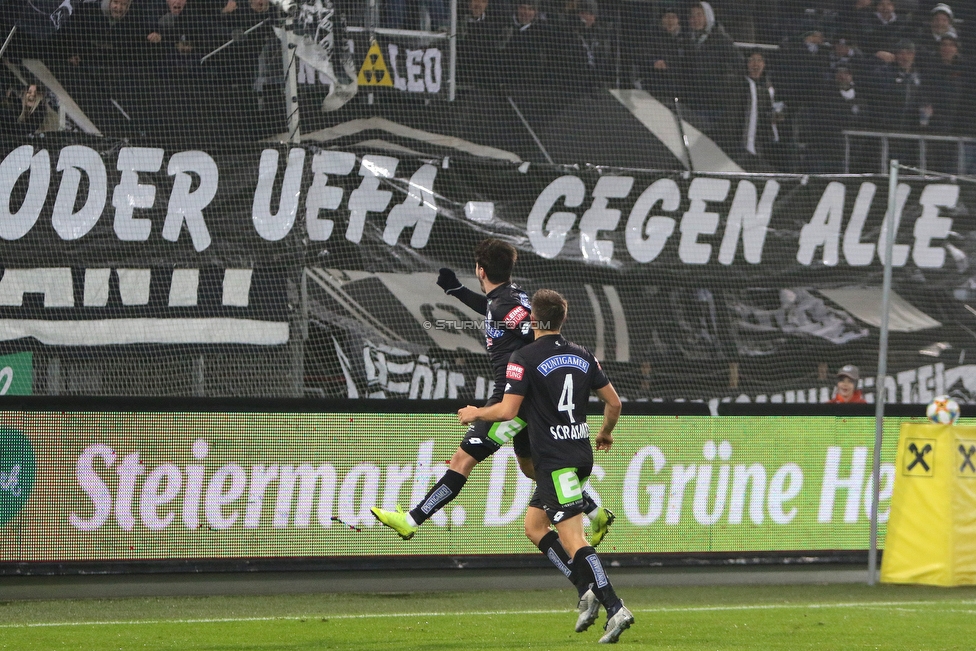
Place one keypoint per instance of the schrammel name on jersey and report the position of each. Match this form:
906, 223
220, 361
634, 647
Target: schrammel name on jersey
577, 431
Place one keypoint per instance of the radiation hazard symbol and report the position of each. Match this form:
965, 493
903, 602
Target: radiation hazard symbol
966, 466
919, 459
374, 71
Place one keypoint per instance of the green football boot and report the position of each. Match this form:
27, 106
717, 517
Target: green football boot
396, 520
599, 525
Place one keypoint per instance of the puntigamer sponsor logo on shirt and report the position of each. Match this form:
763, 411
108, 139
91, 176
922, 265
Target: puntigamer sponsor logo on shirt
563, 361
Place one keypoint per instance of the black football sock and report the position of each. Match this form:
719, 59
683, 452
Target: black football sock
582, 584
590, 568
554, 551
589, 506
445, 490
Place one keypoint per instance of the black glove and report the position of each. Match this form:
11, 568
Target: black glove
448, 280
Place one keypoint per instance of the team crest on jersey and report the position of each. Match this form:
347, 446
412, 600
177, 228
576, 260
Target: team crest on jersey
514, 372
513, 318
492, 333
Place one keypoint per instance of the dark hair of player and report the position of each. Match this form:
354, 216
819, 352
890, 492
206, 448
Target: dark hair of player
497, 258
549, 309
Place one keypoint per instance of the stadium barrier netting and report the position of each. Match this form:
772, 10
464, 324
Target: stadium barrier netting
253, 199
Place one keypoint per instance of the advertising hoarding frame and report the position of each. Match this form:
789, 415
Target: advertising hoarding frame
412, 561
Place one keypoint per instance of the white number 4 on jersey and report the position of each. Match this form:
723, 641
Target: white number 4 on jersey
566, 398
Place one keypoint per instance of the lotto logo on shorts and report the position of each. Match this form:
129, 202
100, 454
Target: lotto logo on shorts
513, 318
514, 372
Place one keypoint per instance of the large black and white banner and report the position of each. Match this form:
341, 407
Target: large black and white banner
689, 287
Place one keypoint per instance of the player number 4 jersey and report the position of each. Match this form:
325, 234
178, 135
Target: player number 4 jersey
556, 377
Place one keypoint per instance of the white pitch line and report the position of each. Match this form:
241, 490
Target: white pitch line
685, 609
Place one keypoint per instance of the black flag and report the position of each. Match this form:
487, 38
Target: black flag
44, 18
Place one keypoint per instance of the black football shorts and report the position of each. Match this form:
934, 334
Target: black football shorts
560, 492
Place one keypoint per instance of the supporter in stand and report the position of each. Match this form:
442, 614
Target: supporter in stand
99, 60
240, 18
106, 34
845, 54
754, 117
253, 61
22, 112
174, 36
808, 62
847, 391
950, 88
805, 65
856, 12
478, 36
899, 94
941, 24
662, 72
902, 94
842, 107
712, 63
951, 84
881, 29
528, 47
236, 82
585, 56
476, 14
963, 14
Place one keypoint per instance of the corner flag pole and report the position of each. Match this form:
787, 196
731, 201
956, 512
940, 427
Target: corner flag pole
879, 383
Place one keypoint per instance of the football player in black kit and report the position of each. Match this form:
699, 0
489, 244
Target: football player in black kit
550, 381
507, 328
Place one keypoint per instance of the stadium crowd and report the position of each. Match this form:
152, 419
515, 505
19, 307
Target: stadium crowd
820, 69
774, 82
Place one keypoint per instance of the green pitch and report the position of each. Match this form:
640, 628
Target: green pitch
831, 618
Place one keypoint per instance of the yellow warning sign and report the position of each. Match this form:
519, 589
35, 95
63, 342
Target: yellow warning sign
374, 71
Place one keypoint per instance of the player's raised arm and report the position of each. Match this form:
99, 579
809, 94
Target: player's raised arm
611, 414
449, 282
